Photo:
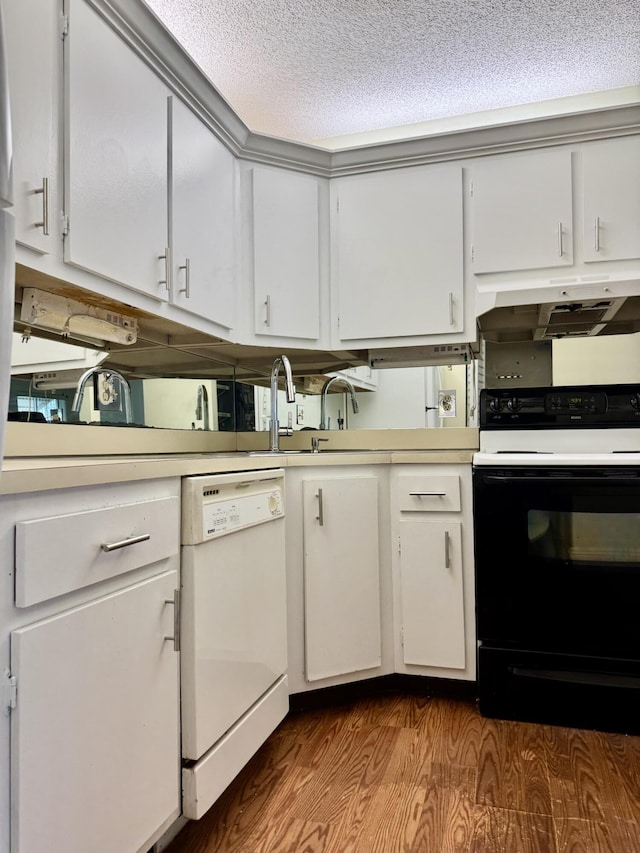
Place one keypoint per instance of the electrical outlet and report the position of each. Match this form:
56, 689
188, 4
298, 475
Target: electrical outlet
447, 404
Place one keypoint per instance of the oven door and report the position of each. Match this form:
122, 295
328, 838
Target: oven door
558, 559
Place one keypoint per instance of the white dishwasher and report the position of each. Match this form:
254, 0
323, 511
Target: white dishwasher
233, 626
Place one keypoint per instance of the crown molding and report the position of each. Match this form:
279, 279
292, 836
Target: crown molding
140, 28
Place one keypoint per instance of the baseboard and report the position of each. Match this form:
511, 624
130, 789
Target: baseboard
418, 685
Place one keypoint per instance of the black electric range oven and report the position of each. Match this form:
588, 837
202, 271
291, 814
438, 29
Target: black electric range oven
557, 549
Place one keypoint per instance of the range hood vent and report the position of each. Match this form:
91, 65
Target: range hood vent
575, 319
566, 318
427, 356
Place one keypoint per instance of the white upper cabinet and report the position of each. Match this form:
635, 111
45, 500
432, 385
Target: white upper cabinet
521, 213
397, 253
34, 50
116, 158
286, 254
202, 205
611, 181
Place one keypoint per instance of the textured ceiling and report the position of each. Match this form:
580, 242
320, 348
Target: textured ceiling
312, 69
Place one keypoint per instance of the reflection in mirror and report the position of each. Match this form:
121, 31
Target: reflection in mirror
46, 373
396, 398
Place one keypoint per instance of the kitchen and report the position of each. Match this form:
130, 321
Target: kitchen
274, 199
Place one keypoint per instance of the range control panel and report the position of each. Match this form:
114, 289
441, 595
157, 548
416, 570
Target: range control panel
558, 407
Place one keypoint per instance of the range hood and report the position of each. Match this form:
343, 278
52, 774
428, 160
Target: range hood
578, 307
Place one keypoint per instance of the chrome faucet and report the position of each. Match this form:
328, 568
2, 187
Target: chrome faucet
95, 372
323, 402
275, 431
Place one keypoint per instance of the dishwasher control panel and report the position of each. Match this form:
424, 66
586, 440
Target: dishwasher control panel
228, 514
217, 505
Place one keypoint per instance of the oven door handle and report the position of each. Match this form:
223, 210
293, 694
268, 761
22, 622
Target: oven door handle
600, 679
505, 479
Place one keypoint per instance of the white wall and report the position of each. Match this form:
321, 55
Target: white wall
597, 360
171, 403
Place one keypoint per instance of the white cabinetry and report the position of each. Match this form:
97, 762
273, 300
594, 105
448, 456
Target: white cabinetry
611, 186
94, 759
202, 206
397, 253
433, 570
521, 211
116, 162
341, 576
286, 254
34, 54
94, 731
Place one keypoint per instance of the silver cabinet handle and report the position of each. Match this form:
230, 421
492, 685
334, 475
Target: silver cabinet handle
187, 278
447, 555
320, 515
427, 494
167, 268
560, 248
450, 308
176, 619
267, 311
596, 234
44, 189
124, 543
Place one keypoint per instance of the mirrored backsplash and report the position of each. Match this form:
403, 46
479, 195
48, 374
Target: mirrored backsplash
46, 374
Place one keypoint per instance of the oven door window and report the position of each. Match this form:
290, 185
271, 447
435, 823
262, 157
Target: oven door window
600, 539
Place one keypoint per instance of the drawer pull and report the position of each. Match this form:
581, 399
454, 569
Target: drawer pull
427, 494
124, 543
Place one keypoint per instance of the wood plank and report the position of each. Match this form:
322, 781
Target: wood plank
398, 774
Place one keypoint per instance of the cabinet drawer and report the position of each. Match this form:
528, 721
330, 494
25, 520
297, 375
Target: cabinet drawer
429, 494
62, 553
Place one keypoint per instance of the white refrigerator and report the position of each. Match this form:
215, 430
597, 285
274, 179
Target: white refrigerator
7, 240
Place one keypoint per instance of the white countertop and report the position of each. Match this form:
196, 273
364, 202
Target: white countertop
31, 474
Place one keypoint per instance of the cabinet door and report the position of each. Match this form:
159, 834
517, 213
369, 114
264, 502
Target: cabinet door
398, 238
286, 254
116, 158
611, 175
34, 55
203, 219
341, 576
432, 597
95, 733
521, 212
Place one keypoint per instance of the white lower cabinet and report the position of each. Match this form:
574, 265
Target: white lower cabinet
89, 676
431, 593
341, 576
339, 599
433, 570
95, 729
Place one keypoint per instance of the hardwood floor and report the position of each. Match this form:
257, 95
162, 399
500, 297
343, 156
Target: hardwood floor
426, 775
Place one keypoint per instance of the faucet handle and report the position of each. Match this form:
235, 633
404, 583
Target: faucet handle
315, 443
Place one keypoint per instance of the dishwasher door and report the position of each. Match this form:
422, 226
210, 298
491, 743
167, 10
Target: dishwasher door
233, 610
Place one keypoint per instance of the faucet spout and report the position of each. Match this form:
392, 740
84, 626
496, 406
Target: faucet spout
275, 431
323, 401
94, 372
